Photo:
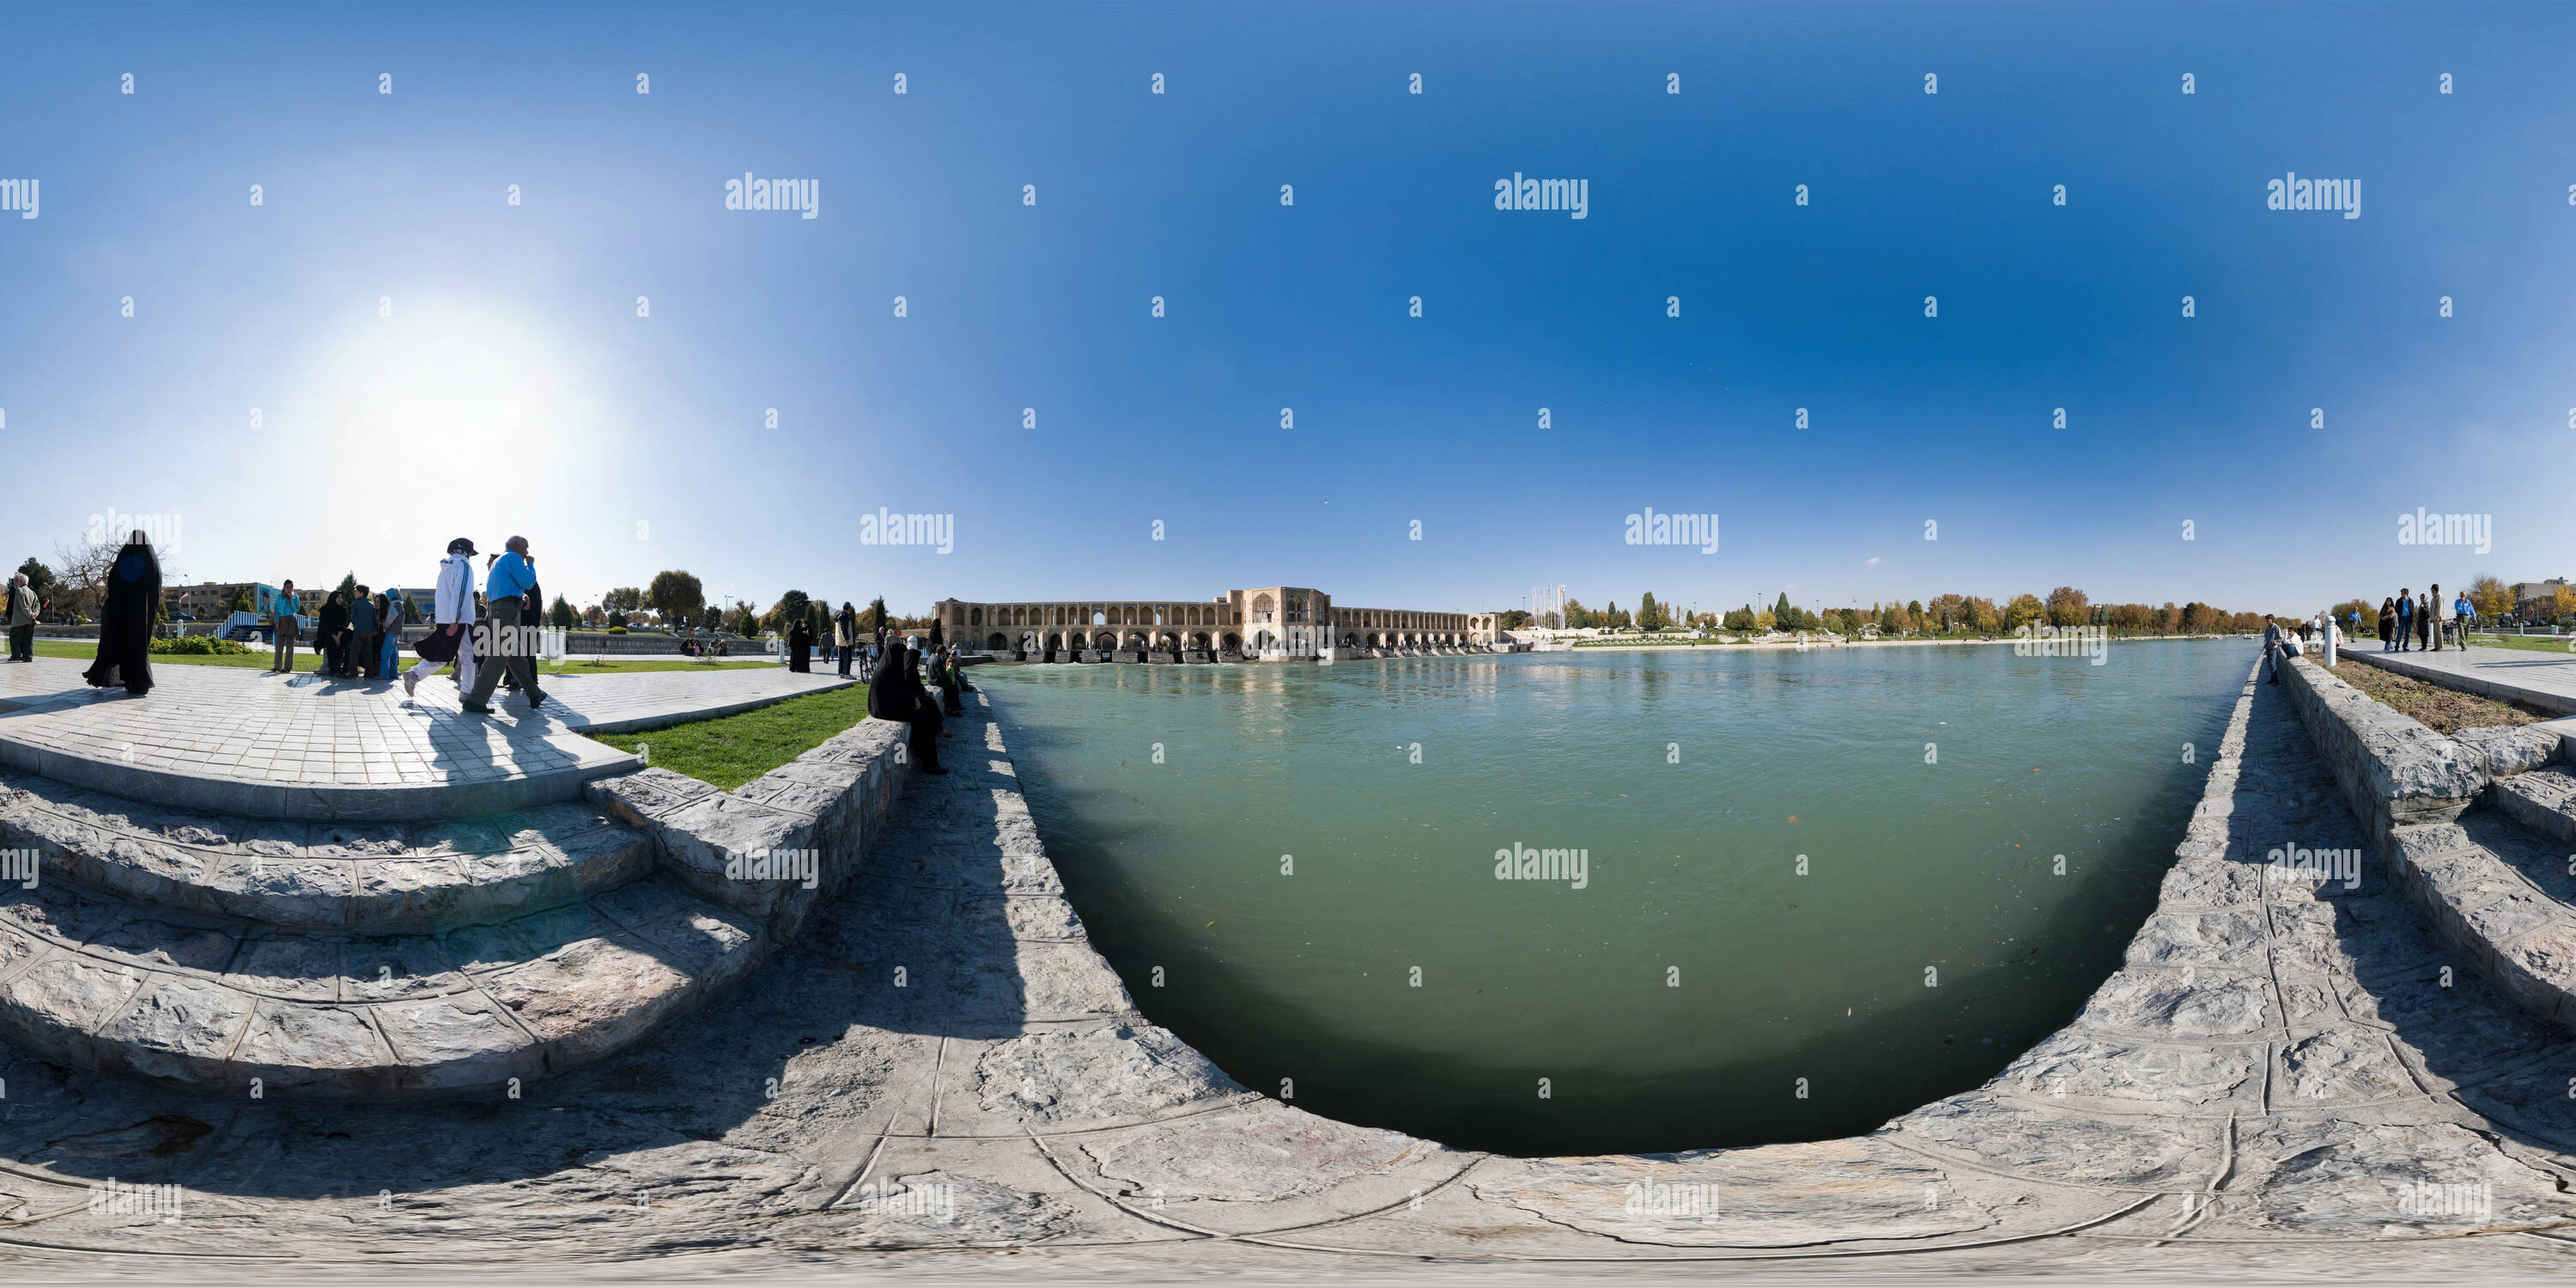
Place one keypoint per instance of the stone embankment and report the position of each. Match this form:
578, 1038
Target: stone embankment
939, 1069
2476, 827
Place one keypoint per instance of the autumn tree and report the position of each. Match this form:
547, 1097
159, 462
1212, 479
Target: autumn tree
2068, 606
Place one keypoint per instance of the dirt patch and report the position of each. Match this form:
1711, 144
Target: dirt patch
2444, 711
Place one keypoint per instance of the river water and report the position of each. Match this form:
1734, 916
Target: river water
1294, 867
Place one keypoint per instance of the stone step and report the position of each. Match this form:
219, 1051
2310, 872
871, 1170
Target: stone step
2502, 894
2543, 800
394, 878
223, 1004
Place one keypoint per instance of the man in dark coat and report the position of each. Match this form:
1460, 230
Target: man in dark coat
896, 694
125, 625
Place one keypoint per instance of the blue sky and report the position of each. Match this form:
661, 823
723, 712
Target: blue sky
514, 389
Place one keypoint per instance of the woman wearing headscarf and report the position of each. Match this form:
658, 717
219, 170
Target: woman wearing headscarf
800, 645
452, 615
2387, 623
125, 625
896, 694
332, 636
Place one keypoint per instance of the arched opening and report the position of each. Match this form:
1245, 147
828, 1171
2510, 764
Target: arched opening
997, 641
1233, 642
1104, 641
1199, 641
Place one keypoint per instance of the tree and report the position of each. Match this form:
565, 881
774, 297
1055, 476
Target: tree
348, 588
783, 615
1511, 619
82, 584
744, 624
2490, 596
2023, 611
1765, 622
1649, 617
677, 596
241, 601
1738, 619
2562, 605
40, 578
2068, 606
562, 615
1786, 614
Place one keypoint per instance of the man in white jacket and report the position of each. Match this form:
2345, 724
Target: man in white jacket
454, 615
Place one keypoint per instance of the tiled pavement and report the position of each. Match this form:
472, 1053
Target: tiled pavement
246, 742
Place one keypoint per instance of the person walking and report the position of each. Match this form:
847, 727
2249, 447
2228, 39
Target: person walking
389, 619
2405, 618
2464, 615
362, 635
2387, 624
125, 624
513, 582
451, 613
21, 610
286, 629
331, 636
2273, 646
845, 636
2434, 615
531, 619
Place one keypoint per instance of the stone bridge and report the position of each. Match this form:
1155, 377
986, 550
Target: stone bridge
1267, 624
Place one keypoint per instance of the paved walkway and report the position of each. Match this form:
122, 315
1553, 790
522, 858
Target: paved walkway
238, 741
2545, 680
941, 1072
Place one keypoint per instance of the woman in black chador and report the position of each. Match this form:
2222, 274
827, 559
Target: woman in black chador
125, 628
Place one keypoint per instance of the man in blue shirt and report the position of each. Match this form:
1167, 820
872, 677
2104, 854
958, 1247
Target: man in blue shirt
506, 641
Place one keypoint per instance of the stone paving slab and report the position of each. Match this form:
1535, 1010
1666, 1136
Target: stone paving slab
236, 741
2218, 1107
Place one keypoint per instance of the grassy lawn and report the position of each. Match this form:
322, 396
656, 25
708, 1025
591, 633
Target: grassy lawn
307, 661
732, 750
2444, 711
2534, 643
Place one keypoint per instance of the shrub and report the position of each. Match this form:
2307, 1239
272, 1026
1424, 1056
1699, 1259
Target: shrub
199, 646
616, 630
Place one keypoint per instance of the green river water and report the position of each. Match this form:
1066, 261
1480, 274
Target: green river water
1679, 996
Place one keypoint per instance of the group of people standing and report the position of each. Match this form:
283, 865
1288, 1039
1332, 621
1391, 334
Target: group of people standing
361, 638
2425, 619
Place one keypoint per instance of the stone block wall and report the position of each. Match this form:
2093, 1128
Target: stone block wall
828, 802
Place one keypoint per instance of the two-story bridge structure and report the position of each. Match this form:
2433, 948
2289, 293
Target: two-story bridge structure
1266, 624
